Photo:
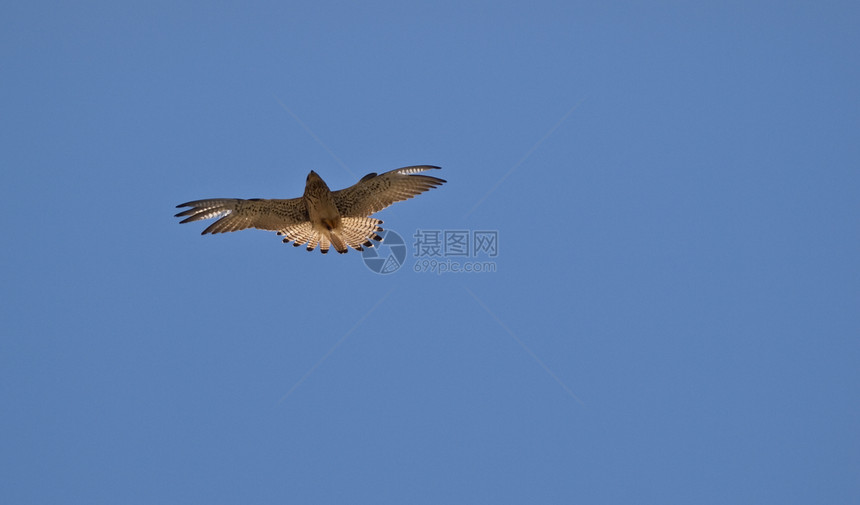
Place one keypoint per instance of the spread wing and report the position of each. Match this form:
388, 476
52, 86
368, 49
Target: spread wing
241, 214
376, 192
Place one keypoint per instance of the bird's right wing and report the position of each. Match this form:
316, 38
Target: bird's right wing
240, 214
376, 192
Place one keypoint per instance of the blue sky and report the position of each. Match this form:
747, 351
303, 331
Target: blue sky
673, 315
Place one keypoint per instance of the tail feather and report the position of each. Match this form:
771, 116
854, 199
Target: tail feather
337, 242
299, 234
305, 234
357, 232
325, 243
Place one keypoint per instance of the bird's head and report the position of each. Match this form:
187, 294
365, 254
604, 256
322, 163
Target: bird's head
315, 183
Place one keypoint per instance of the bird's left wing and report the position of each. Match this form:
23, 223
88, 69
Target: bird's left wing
240, 214
376, 192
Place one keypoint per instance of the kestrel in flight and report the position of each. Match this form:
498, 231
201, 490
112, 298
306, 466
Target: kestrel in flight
320, 217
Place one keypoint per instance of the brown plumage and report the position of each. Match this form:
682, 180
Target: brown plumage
321, 216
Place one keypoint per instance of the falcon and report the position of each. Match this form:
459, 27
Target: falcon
321, 217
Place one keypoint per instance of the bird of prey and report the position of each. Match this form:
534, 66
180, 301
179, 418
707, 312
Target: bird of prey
320, 217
